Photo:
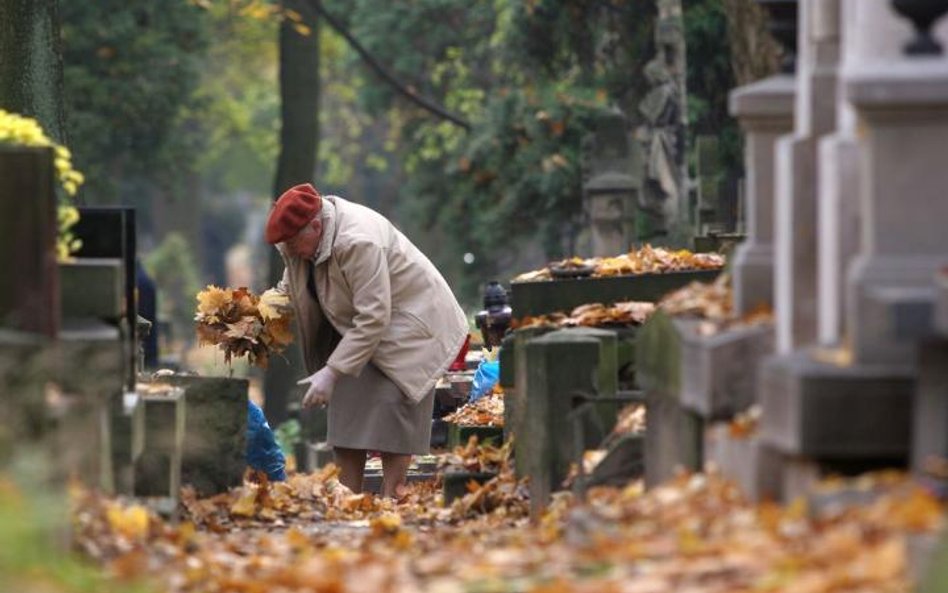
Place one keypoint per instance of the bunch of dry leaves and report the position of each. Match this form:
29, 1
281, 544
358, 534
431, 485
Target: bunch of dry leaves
243, 324
646, 260
623, 314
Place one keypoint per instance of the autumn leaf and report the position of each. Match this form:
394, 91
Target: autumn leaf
213, 299
131, 522
272, 304
248, 328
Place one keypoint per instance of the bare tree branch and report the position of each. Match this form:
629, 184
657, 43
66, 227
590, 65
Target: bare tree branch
383, 72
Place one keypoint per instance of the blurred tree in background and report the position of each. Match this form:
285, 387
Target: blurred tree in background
181, 102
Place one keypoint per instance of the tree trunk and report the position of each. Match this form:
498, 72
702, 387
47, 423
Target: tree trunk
299, 138
31, 65
754, 51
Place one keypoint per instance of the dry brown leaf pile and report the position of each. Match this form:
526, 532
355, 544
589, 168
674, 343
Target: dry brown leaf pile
627, 313
646, 260
487, 411
712, 302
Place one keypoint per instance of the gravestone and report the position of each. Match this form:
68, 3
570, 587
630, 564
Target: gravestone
549, 438
29, 296
673, 436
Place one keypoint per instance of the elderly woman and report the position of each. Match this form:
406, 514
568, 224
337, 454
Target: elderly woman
378, 324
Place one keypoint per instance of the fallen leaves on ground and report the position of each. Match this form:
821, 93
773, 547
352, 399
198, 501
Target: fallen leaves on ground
646, 260
696, 534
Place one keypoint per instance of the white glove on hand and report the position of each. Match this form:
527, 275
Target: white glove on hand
321, 385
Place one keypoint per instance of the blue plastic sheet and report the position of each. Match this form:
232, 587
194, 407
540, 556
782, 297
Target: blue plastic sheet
485, 377
263, 453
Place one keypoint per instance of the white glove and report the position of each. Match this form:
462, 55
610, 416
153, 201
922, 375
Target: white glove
321, 385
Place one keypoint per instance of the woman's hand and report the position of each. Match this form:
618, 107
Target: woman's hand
321, 385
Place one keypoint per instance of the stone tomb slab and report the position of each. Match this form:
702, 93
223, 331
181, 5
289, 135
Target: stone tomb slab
215, 431
829, 412
719, 372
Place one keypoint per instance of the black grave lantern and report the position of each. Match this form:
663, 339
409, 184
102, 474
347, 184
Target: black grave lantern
494, 320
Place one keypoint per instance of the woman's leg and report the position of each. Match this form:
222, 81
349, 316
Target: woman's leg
351, 467
394, 470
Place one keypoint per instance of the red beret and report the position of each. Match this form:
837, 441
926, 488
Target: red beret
291, 212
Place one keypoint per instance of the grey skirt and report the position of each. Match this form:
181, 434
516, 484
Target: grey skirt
371, 412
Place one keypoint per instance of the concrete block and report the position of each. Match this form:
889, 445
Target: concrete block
754, 467
158, 468
673, 438
215, 434
90, 357
719, 374
823, 411
92, 287
127, 415
930, 414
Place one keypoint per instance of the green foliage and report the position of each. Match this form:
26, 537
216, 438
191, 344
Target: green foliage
129, 68
33, 535
172, 267
287, 435
711, 78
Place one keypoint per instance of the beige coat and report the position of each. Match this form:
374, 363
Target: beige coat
385, 299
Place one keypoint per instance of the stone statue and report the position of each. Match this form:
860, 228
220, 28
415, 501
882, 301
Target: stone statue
661, 133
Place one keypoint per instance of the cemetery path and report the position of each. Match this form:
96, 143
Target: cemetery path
695, 534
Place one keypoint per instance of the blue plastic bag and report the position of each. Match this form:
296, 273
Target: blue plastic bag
263, 453
485, 377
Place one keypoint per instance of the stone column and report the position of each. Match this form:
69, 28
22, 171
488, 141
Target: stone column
902, 106
765, 112
869, 35
797, 174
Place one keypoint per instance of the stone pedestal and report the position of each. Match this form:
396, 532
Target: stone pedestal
838, 226
765, 111
903, 106
827, 412
88, 365
158, 468
798, 174
719, 372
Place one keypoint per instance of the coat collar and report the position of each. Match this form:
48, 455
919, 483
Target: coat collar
328, 218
